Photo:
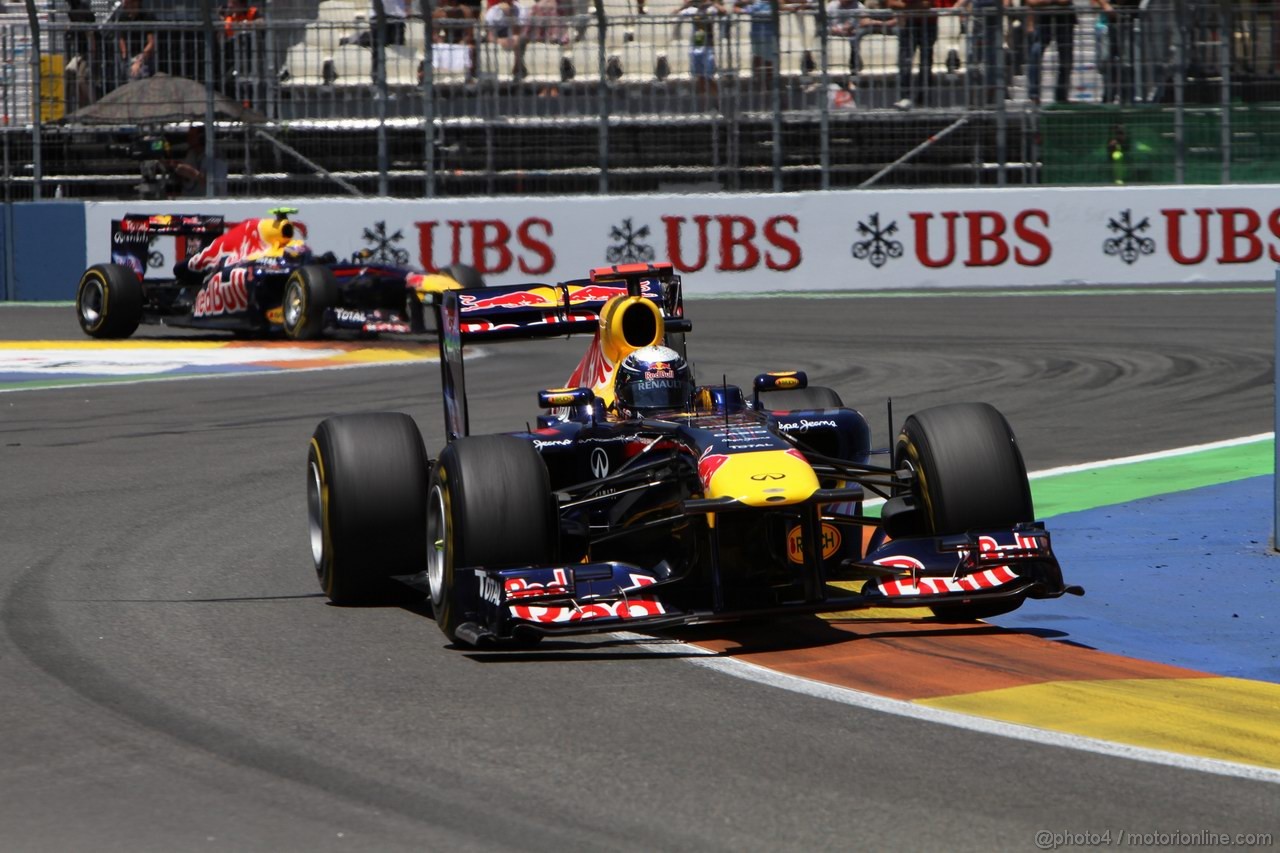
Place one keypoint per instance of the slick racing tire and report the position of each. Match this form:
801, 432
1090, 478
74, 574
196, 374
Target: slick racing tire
969, 475
366, 503
489, 505
415, 313
308, 293
109, 301
790, 400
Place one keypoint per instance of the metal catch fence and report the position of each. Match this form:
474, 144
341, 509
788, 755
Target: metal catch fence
592, 96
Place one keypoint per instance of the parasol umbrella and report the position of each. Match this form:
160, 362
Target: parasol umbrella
159, 99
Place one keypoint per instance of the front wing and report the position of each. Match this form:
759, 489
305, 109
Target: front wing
987, 566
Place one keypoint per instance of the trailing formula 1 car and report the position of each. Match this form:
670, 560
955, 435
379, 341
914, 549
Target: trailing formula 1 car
643, 500
256, 277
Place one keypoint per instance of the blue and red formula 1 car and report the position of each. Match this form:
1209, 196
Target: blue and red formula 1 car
642, 500
256, 277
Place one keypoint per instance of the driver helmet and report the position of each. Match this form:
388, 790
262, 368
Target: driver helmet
652, 379
296, 251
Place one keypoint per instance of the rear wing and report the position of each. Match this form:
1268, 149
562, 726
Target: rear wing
528, 311
133, 234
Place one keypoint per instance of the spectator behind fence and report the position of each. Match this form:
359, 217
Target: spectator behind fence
82, 55
851, 19
548, 23
392, 31
505, 25
1051, 22
1119, 50
703, 16
917, 31
453, 31
985, 19
193, 180
764, 41
136, 43
238, 17
396, 11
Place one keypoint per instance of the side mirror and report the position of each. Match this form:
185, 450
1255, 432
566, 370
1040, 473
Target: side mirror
559, 398
574, 404
780, 381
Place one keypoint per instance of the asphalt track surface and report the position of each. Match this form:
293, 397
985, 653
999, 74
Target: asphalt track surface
173, 680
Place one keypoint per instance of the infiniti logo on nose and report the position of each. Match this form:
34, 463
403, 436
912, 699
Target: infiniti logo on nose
599, 463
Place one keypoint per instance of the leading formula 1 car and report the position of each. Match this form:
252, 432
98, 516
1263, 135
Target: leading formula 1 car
612, 515
255, 277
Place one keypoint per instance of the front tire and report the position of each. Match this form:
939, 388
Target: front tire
489, 505
109, 301
308, 294
366, 504
969, 475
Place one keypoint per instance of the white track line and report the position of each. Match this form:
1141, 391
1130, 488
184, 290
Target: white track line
747, 671
848, 696
1148, 457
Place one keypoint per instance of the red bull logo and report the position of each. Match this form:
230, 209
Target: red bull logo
514, 299
594, 372
708, 465
223, 296
660, 370
604, 292
243, 241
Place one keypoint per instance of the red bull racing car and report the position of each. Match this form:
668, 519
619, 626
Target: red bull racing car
644, 500
255, 277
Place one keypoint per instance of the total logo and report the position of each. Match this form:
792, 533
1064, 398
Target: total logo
346, 315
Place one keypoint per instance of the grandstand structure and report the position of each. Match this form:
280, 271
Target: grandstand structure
589, 96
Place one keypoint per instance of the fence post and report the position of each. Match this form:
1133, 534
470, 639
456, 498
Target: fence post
380, 84
1224, 65
1180, 45
210, 140
1002, 117
428, 99
37, 167
824, 102
602, 135
775, 81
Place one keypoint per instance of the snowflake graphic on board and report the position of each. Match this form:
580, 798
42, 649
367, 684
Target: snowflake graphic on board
382, 247
628, 247
1129, 244
877, 248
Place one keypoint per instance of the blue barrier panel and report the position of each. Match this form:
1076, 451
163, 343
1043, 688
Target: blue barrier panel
1275, 526
48, 251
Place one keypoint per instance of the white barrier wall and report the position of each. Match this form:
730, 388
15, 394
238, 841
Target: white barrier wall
849, 240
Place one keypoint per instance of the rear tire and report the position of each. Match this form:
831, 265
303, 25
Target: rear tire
468, 277
489, 505
308, 293
415, 313
109, 301
366, 504
969, 476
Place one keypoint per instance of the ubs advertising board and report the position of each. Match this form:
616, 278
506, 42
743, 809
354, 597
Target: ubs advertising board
854, 240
